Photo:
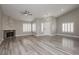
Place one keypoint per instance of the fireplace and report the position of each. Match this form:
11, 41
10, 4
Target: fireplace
9, 34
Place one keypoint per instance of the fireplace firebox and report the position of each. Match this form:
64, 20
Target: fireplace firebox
9, 34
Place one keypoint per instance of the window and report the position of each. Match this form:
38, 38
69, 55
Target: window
72, 27
63, 27
24, 27
27, 27
68, 27
42, 27
34, 27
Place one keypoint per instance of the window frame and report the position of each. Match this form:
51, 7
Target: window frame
27, 27
68, 27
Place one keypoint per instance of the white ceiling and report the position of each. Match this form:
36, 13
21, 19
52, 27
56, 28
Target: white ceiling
38, 10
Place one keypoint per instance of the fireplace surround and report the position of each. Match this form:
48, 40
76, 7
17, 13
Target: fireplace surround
8, 34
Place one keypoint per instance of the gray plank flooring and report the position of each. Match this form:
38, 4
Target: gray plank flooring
43, 45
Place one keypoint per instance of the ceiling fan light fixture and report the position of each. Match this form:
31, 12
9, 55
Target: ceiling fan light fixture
26, 14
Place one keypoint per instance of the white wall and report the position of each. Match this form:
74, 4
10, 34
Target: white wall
72, 16
12, 24
19, 28
48, 29
0, 26
8, 23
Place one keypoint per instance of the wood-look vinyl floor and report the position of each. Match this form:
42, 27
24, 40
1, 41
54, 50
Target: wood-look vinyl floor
46, 45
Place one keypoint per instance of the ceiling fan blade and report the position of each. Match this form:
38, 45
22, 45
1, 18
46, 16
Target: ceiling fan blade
26, 12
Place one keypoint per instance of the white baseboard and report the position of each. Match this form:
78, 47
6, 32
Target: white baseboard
23, 35
68, 35
45, 35
50, 35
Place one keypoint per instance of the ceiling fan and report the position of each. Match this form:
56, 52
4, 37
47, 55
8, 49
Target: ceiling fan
26, 13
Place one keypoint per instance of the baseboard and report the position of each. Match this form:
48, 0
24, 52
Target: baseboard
68, 35
49, 35
23, 35
45, 35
